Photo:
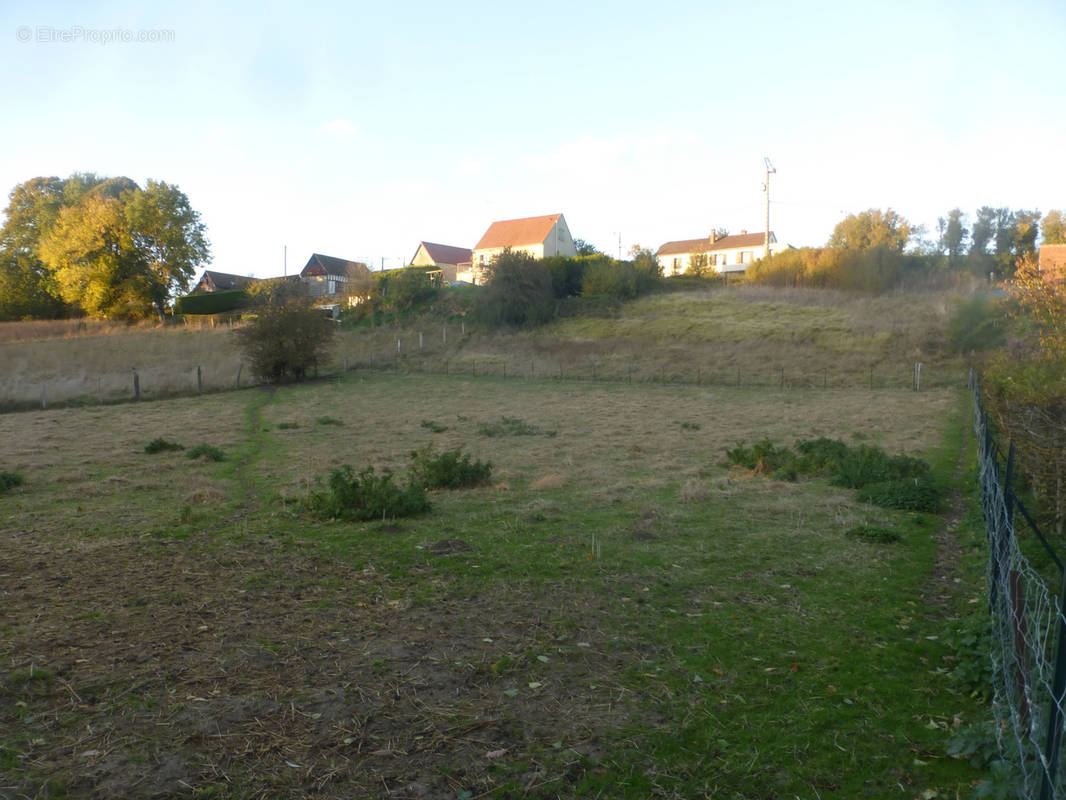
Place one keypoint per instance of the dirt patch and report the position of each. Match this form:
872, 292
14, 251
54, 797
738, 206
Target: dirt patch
174, 667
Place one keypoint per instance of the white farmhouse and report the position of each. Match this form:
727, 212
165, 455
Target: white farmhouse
541, 237
723, 253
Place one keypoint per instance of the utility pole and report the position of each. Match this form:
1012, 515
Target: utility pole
285, 260
619, 245
766, 188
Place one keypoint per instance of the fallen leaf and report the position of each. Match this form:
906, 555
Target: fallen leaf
496, 753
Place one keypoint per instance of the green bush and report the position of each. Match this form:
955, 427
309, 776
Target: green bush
433, 427
367, 496
904, 494
864, 465
328, 421
160, 445
451, 469
977, 324
762, 457
9, 480
286, 342
206, 451
518, 291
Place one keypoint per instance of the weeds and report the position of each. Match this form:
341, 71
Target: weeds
451, 469
286, 426
208, 452
9, 480
433, 427
512, 426
871, 533
328, 421
161, 445
898, 482
367, 496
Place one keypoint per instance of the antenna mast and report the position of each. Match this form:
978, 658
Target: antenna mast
766, 188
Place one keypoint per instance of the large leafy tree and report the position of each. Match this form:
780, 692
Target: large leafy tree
872, 228
104, 247
26, 288
1054, 227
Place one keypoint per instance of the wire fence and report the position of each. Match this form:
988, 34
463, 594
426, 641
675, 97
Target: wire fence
1028, 625
154, 383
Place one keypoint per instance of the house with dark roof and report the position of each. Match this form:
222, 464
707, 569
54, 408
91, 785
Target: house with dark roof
541, 237
721, 253
327, 275
443, 256
212, 281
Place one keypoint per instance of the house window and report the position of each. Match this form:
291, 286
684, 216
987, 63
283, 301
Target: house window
677, 264
744, 257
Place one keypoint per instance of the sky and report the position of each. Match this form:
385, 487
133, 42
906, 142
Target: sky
358, 129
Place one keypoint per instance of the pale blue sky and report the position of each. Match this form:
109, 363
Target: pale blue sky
357, 130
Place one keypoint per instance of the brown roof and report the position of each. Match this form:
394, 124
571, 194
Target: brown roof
705, 245
319, 264
212, 281
517, 232
445, 253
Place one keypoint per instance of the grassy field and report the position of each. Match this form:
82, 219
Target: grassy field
617, 615
747, 336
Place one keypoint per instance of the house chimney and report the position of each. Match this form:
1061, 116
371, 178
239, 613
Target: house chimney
743, 233
714, 236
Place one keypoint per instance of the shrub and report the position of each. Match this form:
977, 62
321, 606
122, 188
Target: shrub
451, 469
518, 291
206, 451
160, 445
286, 342
9, 480
285, 426
328, 421
211, 302
409, 287
368, 496
976, 325
762, 457
866, 465
905, 494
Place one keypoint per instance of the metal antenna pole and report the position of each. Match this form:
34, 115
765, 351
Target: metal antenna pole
766, 187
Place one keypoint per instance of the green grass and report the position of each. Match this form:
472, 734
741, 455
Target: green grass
626, 616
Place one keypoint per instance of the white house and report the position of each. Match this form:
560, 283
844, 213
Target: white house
444, 256
723, 253
541, 237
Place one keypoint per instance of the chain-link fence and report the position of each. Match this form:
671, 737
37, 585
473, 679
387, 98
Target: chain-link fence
1026, 602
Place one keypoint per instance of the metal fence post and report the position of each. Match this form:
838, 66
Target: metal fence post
1054, 724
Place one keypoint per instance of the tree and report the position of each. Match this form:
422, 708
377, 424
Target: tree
953, 235
1054, 227
286, 340
984, 228
518, 290
104, 246
872, 228
26, 289
586, 248
168, 238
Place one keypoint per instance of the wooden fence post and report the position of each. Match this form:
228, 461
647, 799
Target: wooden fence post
44, 396
237, 383
136, 386
199, 381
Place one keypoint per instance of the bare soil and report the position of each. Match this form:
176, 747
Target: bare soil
213, 669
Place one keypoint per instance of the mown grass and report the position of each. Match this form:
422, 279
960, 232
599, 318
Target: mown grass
694, 630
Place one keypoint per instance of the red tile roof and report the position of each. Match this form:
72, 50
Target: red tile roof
445, 253
212, 281
517, 232
319, 264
